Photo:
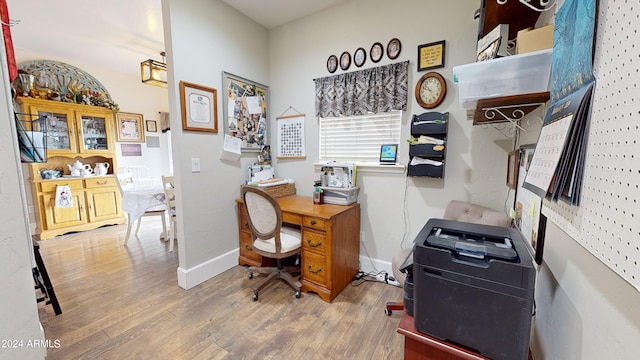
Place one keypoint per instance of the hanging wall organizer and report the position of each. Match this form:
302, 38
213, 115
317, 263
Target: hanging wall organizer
427, 150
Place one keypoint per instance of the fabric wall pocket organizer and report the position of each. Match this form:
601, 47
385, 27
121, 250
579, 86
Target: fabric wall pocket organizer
63, 196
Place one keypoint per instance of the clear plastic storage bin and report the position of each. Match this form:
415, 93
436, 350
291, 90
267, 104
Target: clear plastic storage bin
511, 75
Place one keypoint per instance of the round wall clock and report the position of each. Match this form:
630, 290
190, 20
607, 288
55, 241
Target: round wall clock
359, 57
431, 90
376, 52
345, 60
332, 63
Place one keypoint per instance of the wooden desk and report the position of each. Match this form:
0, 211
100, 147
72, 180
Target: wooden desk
330, 242
419, 346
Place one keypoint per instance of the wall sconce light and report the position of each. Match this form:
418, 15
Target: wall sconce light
154, 72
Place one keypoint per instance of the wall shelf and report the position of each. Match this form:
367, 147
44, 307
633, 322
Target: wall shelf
507, 108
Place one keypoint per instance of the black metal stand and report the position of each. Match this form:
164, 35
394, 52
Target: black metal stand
42, 281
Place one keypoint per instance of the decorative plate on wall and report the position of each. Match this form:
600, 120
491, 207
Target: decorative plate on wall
376, 52
345, 60
393, 48
332, 63
359, 57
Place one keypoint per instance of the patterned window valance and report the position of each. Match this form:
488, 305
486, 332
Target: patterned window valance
380, 89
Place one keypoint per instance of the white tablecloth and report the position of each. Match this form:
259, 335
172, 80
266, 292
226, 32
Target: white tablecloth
136, 201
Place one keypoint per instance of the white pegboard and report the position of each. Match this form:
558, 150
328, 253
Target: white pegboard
607, 223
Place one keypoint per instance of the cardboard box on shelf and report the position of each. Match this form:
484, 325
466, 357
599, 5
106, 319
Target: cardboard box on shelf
529, 40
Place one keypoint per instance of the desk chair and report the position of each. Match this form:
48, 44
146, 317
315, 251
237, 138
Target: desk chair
458, 211
265, 222
126, 183
170, 199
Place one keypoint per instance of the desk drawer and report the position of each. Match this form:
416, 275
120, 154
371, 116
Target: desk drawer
243, 219
100, 182
314, 268
291, 218
314, 223
47, 186
246, 247
315, 241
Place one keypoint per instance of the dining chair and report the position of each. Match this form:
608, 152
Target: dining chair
127, 183
170, 200
265, 222
140, 174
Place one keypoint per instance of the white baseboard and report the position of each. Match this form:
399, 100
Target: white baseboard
188, 278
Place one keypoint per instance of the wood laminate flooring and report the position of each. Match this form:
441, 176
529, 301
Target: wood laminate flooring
123, 302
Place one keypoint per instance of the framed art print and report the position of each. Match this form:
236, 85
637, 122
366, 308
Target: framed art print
152, 126
393, 48
130, 127
359, 57
332, 64
199, 107
431, 56
345, 60
376, 52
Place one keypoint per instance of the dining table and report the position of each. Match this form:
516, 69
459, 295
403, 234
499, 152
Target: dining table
136, 201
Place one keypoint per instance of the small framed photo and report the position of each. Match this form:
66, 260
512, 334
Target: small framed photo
359, 57
152, 126
345, 60
393, 48
199, 107
130, 127
376, 52
431, 56
513, 164
332, 64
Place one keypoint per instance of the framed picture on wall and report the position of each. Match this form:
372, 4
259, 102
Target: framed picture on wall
199, 107
151, 126
513, 164
130, 127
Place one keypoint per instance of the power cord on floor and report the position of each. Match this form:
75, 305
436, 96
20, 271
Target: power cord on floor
380, 276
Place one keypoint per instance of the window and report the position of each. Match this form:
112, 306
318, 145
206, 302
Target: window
358, 138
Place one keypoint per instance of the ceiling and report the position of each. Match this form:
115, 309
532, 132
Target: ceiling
130, 31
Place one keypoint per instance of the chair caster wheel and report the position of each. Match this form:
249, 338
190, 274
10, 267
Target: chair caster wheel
388, 312
250, 276
298, 294
255, 297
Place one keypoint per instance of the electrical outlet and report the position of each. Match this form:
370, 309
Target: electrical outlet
361, 236
31, 209
195, 165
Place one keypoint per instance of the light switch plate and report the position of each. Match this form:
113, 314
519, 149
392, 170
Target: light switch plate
195, 165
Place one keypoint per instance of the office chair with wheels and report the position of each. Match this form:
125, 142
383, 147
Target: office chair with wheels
265, 222
455, 210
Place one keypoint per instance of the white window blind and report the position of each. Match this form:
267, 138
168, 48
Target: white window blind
358, 138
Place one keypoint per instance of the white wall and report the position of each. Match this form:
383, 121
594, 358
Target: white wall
476, 156
203, 39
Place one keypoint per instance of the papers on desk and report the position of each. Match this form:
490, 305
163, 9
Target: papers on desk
271, 182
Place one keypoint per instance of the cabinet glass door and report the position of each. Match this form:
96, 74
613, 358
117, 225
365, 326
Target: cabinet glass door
59, 131
94, 133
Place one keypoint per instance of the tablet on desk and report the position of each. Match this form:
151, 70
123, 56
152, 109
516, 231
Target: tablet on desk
388, 154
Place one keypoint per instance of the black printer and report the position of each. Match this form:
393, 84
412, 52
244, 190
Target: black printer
474, 286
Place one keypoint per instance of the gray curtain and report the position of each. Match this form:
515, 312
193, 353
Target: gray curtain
380, 89
164, 121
